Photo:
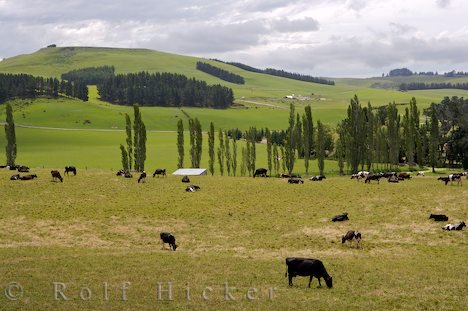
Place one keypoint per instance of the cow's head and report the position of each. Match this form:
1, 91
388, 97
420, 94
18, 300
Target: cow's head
174, 246
343, 239
329, 281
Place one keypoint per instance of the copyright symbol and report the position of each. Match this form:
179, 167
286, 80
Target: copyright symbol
14, 291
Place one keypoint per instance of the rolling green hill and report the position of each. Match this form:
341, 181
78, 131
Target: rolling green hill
260, 102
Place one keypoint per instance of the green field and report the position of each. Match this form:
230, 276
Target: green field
96, 233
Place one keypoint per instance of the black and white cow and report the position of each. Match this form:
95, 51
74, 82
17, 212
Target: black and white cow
262, 172
167, 237
160, 171
295, 181
69, 169
457, 226
317, 178
372, 177
307, 267
351, 236
192, 188
142, 177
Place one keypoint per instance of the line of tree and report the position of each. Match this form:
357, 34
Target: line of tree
164, 90
136, 144
406, 72
282, 73
90, 75
366, 143
431, 86
220, 73
28, 86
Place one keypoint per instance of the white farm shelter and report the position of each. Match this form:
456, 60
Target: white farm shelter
190, 171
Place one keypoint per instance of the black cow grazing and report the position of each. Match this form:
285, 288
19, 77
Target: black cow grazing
262, 172
167, 237
317, 178
352, 236
192, 188
28, 177
307, 267
373, 177
142, 177
403, 176
23, 169
295, 181
341, 217
15, 177
457, 226
160, 171
56, 175
185, 179
445, 179
70, 169
438, 217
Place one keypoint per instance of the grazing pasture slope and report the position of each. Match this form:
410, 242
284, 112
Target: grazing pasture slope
101, 232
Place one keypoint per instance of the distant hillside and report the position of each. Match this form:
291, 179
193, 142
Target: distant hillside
259, 88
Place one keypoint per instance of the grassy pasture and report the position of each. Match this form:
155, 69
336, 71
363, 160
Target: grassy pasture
100, 149
96, 228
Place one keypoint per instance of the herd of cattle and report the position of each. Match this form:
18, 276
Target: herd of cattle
295, 266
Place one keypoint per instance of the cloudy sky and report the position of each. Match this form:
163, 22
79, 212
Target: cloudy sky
334, 38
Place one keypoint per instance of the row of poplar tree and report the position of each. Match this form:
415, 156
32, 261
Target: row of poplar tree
281, 157
373, 139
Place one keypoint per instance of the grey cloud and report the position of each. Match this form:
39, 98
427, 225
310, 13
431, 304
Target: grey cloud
209, 38
356, 5
295, 25
443, 3
401, 29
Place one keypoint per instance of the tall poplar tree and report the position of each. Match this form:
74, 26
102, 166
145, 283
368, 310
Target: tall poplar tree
308, 136
124, 157
290, 145
434, 139
275, 158
393, 127
228, 153
320, 147
221, 152
234, 156
193, 160
180, 143
211, 149
129, 141
10, 136
198, 141
269, 145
